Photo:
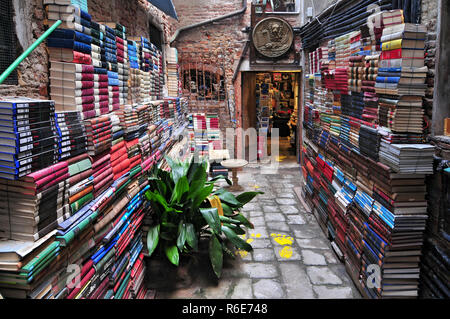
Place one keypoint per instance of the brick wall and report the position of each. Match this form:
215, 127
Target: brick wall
33, 71
222, 38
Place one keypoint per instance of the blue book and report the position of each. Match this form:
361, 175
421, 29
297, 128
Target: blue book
381, 79
69, 44
70, 35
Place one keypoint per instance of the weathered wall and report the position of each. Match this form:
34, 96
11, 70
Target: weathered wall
222, 38
33, 71
29, 20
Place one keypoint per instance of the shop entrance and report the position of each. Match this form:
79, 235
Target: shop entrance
272, 100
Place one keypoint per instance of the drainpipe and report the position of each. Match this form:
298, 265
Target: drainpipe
206, 22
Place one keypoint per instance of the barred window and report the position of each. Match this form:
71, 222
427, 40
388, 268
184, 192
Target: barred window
7, 40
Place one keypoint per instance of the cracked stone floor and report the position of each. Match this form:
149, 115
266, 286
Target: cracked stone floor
292, 258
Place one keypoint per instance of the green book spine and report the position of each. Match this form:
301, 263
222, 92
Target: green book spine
36, 260
81, 202
102, 262
67, 238
121, 290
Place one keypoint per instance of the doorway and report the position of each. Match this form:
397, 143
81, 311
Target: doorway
271, 100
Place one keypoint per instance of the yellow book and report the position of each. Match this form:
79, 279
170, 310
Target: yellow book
418, 44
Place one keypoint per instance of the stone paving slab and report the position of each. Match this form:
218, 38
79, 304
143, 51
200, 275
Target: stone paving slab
292, 258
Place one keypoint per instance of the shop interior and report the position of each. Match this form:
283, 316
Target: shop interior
271, 101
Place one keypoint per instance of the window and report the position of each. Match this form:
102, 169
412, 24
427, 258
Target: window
280, 6
7, 40
155, 37
203, 83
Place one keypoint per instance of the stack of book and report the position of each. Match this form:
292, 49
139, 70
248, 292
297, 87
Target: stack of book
341, 80
370, 112
369, 142
408, 158
102, 173
33, 205
117, 124
401, 78
111, 66
144, 56
101, 91
355, 72
393, 234
134, 78
72, 138
122, 60
26, 267
99, 133
28, 137
160, 75
172, 70
81, 182
72, 87
353, 240
119, 159
131, 123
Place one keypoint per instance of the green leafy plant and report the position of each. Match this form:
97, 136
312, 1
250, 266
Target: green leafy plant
183, 214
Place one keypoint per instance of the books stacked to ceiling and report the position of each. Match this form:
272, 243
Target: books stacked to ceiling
28, 137
172, 70
81, 182
72, 138
122, 62
33, 206
369, 142
401, 78
101, 81
72, 83
134, 85
370, 112
393, 234
112, 66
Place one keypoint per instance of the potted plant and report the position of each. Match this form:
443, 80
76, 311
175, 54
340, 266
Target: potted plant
186, 209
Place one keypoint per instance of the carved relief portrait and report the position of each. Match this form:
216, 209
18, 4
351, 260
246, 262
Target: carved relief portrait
273, 37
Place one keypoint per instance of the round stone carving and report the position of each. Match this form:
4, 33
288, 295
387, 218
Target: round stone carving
273, 37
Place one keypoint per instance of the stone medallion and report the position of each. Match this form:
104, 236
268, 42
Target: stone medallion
273, 37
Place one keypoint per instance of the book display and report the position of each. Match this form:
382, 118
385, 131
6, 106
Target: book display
73, 170
365, 165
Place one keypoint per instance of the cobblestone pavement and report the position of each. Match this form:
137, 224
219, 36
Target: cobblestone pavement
292, 258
